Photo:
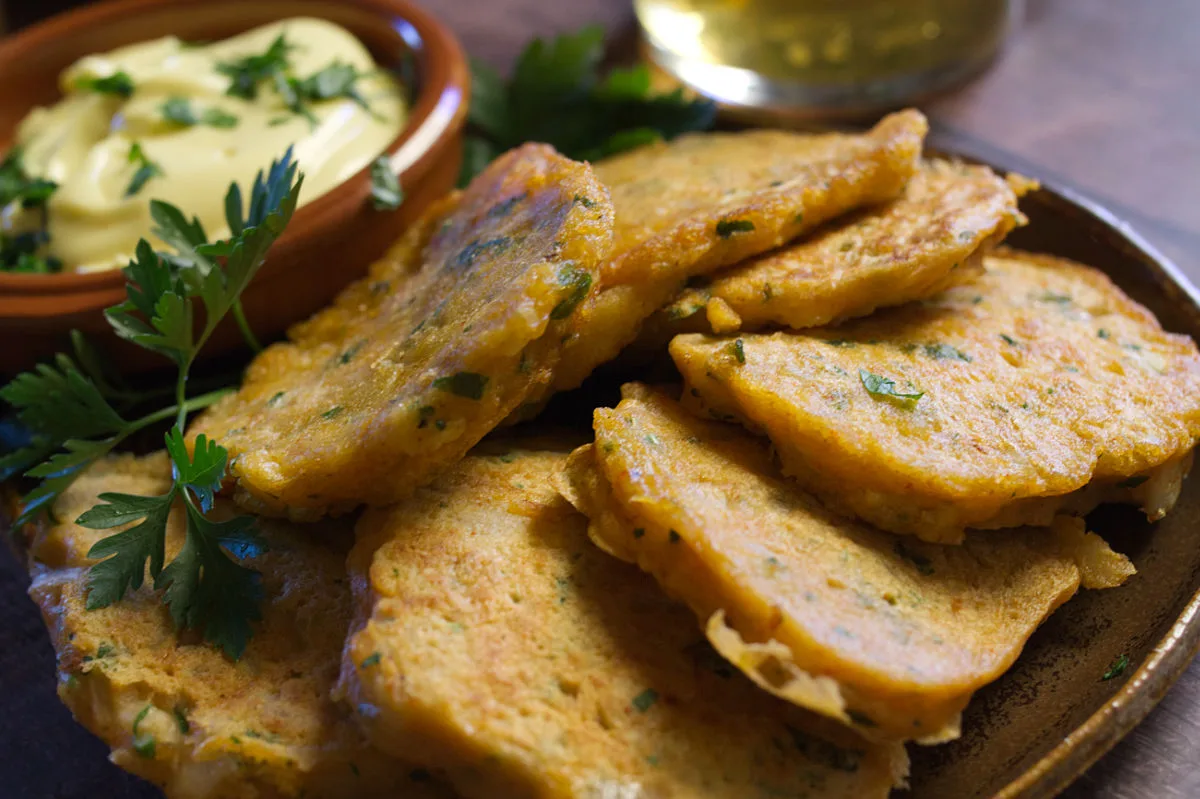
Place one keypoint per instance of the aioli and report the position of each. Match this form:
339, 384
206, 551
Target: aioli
83, 142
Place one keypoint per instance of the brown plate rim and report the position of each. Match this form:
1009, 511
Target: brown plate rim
1174, 652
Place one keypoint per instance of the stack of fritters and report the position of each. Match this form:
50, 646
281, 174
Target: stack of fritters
762, 580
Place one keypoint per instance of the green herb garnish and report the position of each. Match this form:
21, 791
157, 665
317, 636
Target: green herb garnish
1116, 668
727, 227
118, 84
146, 169
738, 350
25, 252
247, 73
885, 388
645, 700
370, 660
557, 95
463, 384
179, 111
944, 352
143, 744
578, 283
73, 421
386, 194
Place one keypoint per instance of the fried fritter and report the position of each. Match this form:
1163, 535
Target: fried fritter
1040, 388
412, 366
889, 635
706, 201
933, 237
176, 711
500, 645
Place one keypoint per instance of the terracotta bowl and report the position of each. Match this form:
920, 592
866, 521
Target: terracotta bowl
329, 242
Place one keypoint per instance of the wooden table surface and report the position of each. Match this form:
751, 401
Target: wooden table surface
1096, 95
1099, 96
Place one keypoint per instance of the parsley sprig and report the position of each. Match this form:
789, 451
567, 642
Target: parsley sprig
24, 251
71, 411
557, 95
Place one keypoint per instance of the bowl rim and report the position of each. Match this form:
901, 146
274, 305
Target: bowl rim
439, 110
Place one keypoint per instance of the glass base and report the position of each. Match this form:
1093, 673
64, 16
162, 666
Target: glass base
750, 96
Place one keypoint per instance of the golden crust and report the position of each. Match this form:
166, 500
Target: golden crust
261, 727
412, 366
702, 202
498, 644
888, 635
1040, 378
931, 238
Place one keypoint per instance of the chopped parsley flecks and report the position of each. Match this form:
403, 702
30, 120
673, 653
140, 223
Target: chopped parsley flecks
181, 721
349, 354
146, 169
578, 283
246, 73
727, 227
1053, 296
504, 207
768, 292
332, 412
118, 84
586, 202
370, 660
143, 744
463, 384
738, 350
1009, 340
878, 386
179, 111
1116, 668
944, 352
275, 398
467, 257
645, 700
966, 235
924, 565
1102, 333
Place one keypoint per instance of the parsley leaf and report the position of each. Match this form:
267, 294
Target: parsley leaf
19, 191
463, 384
179, 111
146, 169
73, 422
1116, 668
248, 72
119, 84
557, 95
386, 194
885, 388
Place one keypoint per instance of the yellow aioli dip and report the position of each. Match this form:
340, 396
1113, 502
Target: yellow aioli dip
83, 142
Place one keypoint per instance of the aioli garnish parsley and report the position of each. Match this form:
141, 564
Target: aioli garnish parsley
73, 419
118, 83
146, 169
247, 74
179, 111
1116, 668
19, 191
557, 95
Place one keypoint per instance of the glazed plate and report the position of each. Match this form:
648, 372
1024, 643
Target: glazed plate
1027, 735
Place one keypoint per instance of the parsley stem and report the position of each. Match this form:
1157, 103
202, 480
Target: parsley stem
194, 404
244, 326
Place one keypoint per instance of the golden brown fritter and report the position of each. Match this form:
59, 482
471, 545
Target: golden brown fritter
889, 635
931, 238
1040, 388
499, 644
450, 333
706, 201
177, 712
